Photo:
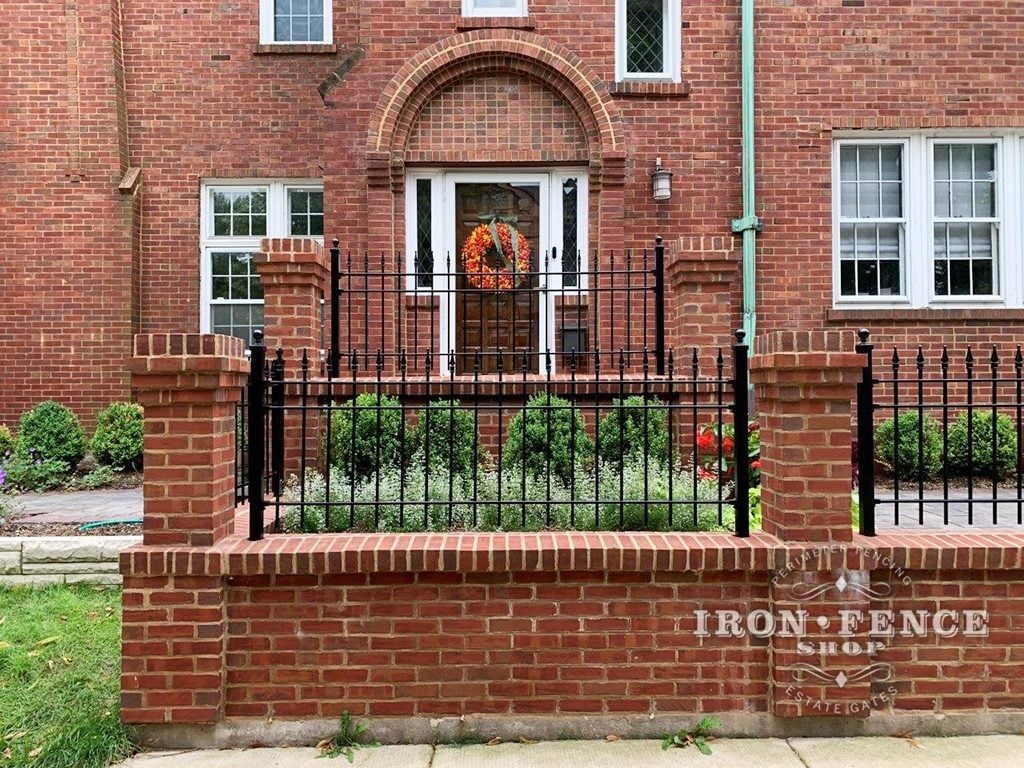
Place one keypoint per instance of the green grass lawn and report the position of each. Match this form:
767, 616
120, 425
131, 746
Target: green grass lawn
60, 662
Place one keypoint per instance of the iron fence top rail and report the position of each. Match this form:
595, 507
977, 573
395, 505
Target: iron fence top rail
977, 405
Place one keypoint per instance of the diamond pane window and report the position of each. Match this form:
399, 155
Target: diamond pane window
306, 212
871, 219
424, 234
964, 234
645, 36
570, 233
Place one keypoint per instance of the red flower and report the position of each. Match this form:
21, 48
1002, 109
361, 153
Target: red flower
755, 464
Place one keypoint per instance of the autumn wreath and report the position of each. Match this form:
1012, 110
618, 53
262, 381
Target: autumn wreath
496, 256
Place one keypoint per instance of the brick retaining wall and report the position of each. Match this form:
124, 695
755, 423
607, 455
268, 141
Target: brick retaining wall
231, 641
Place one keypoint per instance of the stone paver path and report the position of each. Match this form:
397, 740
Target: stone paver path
933, 513
78, 507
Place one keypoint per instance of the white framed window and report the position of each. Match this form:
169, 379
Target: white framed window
485, 8
648, 41
928, 219
296, 21
234, 216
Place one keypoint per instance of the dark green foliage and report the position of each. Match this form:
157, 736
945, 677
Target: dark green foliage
7, 442
447, 430
920, 446
622, 431
977, 458
118, 437
548, 433
366, 436
50, 431
28, 474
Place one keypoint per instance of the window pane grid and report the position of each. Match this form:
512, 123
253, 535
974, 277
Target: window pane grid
305, 213
239, 214
645, 36
298, 21
965, 227
872, 226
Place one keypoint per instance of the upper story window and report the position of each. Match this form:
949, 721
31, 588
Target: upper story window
235, 216
647, 40
295, 21
493, 7
929, 220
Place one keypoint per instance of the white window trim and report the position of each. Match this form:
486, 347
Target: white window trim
672, 71
267, 26
918, 261
470, 10
278, 225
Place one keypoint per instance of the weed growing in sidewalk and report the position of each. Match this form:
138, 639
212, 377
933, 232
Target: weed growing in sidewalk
699, 736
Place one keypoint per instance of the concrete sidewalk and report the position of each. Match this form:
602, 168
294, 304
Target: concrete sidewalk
873, 752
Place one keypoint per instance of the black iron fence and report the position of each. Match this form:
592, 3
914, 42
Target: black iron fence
593, 446
939, 438
390, 304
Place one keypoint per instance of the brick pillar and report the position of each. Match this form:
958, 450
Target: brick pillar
189, 385
296, 275
174, 625
805, 384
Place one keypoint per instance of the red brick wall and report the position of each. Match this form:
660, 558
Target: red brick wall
499, 643
66, 272
824, 67
965, 673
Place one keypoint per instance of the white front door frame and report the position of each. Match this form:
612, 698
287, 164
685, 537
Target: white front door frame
446, 262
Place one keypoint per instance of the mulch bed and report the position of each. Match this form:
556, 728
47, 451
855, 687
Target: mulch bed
67, 529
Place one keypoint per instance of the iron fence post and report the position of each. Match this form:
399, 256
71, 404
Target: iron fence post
277, 423
659, 305
741, 434
257, 436
866, 437
335, 355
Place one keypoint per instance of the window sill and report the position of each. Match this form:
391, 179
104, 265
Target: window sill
924, 315
294, 48
469, 23
650, 88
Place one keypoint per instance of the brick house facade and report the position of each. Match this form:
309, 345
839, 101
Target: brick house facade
125, 120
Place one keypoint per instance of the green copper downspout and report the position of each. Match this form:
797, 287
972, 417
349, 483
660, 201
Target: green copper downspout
750, 224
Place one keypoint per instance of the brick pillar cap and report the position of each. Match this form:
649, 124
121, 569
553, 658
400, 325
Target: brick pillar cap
804, 341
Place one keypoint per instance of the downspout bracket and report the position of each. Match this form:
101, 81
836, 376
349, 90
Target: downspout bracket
755, 223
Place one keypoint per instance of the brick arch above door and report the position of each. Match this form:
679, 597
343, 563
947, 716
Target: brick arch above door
482, 53
497, 118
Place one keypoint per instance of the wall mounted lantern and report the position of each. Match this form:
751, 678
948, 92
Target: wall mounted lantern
661, 182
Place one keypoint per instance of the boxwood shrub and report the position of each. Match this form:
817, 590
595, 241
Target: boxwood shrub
636, 427
445, 433
547, 435
118, 437
974, 456
356, 430
50, 432
919, 451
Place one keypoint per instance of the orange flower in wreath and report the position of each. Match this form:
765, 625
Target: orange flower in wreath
496, 256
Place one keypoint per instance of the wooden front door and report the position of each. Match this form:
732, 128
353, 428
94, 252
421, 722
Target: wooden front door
505, 320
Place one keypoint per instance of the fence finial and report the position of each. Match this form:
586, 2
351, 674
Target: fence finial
863, 334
